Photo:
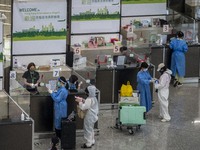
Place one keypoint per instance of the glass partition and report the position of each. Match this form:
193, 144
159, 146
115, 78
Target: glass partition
187, 24
20, 95
10, 111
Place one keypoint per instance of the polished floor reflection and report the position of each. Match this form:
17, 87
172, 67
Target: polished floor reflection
181, 133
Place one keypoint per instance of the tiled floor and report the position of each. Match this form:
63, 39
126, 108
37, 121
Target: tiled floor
181, 133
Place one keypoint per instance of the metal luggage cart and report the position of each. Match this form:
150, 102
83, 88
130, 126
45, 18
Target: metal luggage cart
131, 116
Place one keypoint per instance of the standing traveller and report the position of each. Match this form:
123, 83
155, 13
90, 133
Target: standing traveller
60, 104
163, 91
143, 80
179, 48
91, 105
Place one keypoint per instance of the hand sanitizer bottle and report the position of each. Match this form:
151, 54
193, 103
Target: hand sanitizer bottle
22, 117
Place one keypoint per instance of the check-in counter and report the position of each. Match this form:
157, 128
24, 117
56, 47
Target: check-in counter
41, 110
110, 80
65, 71
192, 62
15, 133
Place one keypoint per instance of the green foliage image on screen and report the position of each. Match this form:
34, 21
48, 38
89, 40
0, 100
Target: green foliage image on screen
46, 33
142, 1
101, 14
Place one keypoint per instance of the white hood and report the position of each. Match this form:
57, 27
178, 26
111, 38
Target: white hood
92, 90
168, 71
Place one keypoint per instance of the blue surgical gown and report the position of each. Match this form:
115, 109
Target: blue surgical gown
143, 80
60, 106
179, 47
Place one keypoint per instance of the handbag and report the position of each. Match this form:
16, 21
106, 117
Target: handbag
126, 90
81, 113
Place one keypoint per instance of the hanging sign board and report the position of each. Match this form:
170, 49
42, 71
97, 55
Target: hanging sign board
39, 28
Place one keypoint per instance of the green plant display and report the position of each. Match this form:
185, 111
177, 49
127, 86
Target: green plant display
36, 34
101, 14
142, 1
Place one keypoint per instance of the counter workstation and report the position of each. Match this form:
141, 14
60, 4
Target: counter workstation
45, 75
110, 80
163, 54
41, 110
40, 106
16, 134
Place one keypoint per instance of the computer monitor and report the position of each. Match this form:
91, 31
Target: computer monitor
121, 60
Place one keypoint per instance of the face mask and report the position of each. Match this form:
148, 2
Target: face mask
145, 69
58, 84
32, 70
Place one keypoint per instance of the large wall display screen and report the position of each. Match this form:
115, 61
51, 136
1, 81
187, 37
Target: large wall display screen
95, 16
143, 7
39, 26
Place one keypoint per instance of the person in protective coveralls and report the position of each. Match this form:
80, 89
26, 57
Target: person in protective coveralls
60, 104
179, 48
143, 80
163, 91
91, 105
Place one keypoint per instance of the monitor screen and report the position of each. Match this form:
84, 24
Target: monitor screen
121, 60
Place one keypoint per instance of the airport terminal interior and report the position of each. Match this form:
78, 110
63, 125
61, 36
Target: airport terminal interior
102, 42
181, 133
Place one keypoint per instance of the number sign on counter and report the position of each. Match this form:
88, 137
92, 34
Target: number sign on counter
166, 28
77, 50
116, 49
12, 74
56, 72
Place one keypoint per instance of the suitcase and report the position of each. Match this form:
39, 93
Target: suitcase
126, 101
68, 134
132, 115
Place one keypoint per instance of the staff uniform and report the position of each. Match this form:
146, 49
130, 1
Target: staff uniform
31, 77
143, 80
179, 48
60, 106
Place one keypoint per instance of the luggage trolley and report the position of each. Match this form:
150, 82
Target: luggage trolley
130, 113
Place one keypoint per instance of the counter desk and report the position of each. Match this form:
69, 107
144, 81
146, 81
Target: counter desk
41, 110
163, 53
110, 80
65, 71
15, 134
192, 62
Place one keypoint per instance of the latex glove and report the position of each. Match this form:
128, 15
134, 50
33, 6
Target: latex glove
41, 84
151, 81
32, 85
79, 85
36, 84
50, 91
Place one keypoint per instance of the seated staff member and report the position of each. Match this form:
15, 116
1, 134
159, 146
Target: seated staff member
72, 84
31, 78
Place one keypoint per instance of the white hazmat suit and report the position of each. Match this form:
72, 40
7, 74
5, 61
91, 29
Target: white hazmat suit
163, 93
91, 105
